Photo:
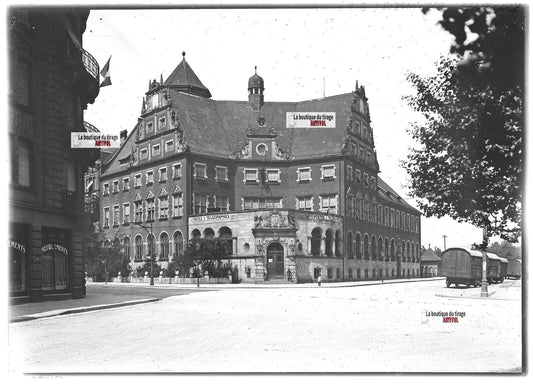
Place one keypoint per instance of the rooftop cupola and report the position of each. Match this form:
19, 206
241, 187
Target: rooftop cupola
256, 86
184, 79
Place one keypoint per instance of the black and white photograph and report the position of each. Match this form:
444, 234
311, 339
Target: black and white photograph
258, 189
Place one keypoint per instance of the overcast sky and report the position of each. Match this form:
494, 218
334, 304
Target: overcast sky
297, 52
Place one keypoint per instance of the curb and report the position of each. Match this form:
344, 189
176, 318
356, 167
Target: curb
328, 285
54, 313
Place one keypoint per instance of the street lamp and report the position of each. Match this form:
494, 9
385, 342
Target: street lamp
150, 246
484, 288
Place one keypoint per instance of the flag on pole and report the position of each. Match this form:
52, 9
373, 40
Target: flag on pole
106, 74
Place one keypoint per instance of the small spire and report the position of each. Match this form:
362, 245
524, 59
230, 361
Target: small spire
356, 85
256, 70
183, 54
161, 81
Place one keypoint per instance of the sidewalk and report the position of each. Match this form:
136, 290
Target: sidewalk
36, 310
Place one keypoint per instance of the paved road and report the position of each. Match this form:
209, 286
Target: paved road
329, 329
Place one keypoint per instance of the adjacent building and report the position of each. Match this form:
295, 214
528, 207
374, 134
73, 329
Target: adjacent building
51, 81
294, 201
430, 263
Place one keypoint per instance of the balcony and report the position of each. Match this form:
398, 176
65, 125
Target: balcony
83, 71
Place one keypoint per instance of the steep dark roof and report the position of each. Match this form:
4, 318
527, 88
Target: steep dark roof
184, 79
387, 193
430, 256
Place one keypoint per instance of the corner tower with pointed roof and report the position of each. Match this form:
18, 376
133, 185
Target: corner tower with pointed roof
184, 79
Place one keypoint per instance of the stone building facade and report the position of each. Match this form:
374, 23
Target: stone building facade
296, 202
52, 79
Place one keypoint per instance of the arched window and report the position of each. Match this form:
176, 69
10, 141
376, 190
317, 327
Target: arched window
374, 248
387, 255
209, 233
358, 253
380, 249
408, 251
196, 234
226, 237
126, 245
150, 245
337, 243
349, 244
417, 252
164, 246
392, 250
403, 251
316, 240
413, 255
139, 248
329, 242
178, 244
365, 247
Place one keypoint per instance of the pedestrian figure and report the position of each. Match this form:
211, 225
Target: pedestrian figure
319, 280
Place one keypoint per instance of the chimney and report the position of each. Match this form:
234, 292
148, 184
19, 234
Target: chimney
123, 136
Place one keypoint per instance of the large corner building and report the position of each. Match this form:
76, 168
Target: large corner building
294, 202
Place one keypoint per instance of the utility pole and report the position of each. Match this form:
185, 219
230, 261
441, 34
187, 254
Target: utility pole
444, 237
484, 288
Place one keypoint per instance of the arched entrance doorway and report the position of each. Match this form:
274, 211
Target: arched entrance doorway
275, 265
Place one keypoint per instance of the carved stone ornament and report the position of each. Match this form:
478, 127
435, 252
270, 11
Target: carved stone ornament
274, 219
280, 154
243, 153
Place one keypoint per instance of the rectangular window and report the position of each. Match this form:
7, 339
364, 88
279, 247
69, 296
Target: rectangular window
106, 217
115, 186
126, 184
149, 127
253, 203
349, 173
149, 177
221, 174
392, 221
273, 176
250, 176
221, 204
338, 275
156, 150
200, 204
397, 219
380, 214
358, 176
304, 203
163, 207
358, 128
304, 174
350, 273
150, 209
328, 172
169, 146
138, 211
200, 171
162, 123
386, 216
20, 168
330, 272
116, 215
373, 183
106, 189
19, 90
408, 222
177, 205
403, 222
329, 203
176, 171
126, 213
143, 153
71, 175
137, 182
163, 174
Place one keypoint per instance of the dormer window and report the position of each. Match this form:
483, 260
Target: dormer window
221, 174
149, 127
162, 122
169, 145
143, 154
149, 178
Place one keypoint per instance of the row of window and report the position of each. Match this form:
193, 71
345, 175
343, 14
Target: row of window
364, 209
370, 247
144, 210
162, 176
384, 273
162, 249
360, 177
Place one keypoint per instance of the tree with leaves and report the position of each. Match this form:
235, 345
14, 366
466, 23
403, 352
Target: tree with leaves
105, 259
205, 255
468, 164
